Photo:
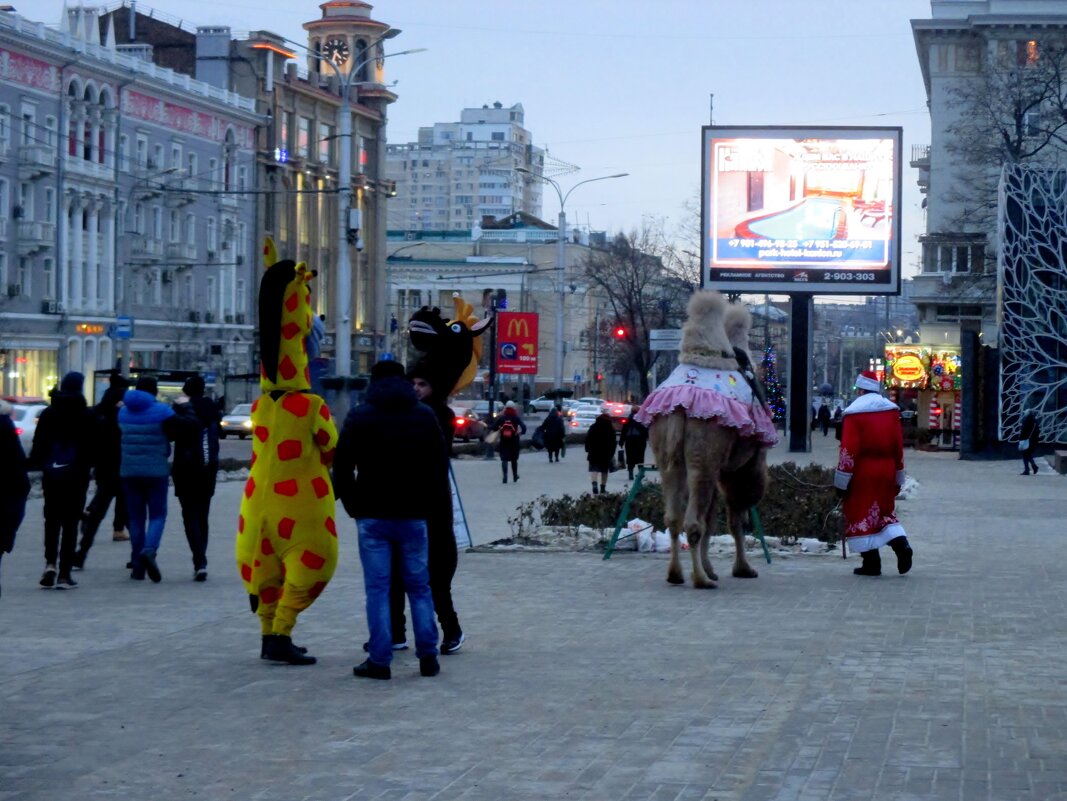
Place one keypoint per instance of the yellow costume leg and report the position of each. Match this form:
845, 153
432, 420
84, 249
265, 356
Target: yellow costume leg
308, 568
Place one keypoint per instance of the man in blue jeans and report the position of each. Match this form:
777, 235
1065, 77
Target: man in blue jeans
147, 426
394, 446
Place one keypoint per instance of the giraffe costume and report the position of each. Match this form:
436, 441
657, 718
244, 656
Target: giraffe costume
286, 535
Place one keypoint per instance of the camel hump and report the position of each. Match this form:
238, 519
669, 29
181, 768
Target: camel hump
738, 322
704, 341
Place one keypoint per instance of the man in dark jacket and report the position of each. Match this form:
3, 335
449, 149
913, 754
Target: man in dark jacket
600, 450
554, 431
62, 451
147, 427
633, 438
394, 446
196, 465
108, 453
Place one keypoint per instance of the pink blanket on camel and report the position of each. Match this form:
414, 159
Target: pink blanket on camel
705, 394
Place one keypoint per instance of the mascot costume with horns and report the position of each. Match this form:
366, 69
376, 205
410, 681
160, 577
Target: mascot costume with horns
286, 535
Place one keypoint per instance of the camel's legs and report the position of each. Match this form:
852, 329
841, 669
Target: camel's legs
702, 491
742, 569
704, 559
672, 478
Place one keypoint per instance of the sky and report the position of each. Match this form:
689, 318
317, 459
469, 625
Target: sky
625, 85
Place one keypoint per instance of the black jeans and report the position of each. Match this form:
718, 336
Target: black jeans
108, 488
195, 499
1028, 460
64, 499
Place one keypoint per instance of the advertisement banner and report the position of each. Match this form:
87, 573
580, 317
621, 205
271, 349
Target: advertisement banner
791, 210
516, 338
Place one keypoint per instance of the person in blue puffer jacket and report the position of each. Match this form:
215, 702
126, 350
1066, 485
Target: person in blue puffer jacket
147, 427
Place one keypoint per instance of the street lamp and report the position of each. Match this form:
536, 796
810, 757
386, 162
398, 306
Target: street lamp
124, 303
344, 196
561, 256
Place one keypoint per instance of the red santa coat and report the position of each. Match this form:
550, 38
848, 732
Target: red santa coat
871, 470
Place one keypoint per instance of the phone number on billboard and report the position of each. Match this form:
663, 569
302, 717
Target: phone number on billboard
849, 277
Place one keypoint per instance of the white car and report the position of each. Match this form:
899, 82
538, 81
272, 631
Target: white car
25, 417
592, 401
238, 423
545, 403
583, 419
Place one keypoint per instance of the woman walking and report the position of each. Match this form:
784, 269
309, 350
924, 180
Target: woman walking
511, 427
1028, 438
600, 449
553, 430
14, 483
633, 438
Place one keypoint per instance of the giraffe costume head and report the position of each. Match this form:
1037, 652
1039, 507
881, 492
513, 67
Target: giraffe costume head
284, 323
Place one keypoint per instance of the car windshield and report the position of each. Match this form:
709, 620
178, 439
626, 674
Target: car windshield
242, 408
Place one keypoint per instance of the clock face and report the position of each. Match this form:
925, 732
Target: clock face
336, 50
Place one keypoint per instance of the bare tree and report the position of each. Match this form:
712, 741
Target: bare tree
644, 285
1013, 109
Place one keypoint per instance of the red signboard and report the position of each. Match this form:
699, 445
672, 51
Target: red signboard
516, 342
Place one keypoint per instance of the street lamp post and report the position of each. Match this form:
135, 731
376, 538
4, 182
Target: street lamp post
560, 259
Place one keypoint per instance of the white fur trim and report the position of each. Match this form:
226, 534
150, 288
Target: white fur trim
841, 479
869, 542
862, 382
870, 403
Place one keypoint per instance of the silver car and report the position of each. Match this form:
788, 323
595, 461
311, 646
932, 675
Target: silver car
238, 423
25, 417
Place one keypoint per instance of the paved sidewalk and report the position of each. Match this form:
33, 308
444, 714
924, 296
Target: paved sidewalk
580, 679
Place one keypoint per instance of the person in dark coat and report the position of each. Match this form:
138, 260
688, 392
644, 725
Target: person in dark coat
389, 442
823, 417
196, 465
553, 430
511, 429
14, 483
63, 451
634, 439
600, 449
107, 454
1031, 435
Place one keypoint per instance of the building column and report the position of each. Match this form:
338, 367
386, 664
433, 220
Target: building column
108, 271
62, 267
77, 260
92, 262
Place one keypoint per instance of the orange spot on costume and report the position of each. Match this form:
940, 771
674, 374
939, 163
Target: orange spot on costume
286, 535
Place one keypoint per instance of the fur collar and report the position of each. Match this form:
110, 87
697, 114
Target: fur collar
870, 403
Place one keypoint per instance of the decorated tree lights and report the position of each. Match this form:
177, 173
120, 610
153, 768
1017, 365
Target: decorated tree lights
775, 395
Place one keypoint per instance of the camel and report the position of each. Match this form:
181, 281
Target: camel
710, 433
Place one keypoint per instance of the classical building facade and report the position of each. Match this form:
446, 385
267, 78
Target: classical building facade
119, 198
459, 172
297, 89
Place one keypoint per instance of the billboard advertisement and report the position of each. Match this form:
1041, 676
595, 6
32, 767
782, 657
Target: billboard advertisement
801, 210
516, 343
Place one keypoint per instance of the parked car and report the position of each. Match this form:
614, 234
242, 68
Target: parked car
25, 417
583, 419
467, 424
481, 409
238, 423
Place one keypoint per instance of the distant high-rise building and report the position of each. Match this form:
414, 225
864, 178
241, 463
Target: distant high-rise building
459, 172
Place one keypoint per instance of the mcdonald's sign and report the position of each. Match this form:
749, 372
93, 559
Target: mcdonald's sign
516, 341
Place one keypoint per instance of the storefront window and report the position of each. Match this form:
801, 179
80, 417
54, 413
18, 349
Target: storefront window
28, 373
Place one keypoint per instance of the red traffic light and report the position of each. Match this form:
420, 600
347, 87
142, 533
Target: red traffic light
618, 332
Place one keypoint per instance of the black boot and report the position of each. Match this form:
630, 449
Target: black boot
594, 488
872, 564
263, 647
280, 648
904, 553
602, 489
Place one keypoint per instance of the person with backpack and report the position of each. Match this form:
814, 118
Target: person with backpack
147, 427
62, 450
107, 453
511, 429
633, 438
196, 465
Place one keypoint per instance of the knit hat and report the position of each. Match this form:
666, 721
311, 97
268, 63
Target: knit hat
72, 384
431, 373
386, 369
868, 380
118, 380
509, 405
147, 383
194, 387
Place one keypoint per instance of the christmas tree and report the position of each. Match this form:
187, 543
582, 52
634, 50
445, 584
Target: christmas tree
775, 397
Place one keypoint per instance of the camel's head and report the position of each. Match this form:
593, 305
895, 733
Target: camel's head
704, 339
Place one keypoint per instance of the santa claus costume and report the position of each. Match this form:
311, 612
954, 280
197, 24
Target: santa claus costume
870, 472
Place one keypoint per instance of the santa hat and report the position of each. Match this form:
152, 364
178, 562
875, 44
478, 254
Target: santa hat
868, 380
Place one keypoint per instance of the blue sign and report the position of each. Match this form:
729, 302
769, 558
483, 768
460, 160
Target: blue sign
577, 378
123, 327
387, 357
509, 350
502, 303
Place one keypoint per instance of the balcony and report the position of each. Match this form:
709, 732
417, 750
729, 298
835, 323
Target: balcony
36, 161
34, 237
228, 200
920, 160
145, 250
180, 191
181, 253
88, 169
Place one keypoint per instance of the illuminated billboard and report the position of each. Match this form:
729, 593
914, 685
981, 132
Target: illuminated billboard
801, 210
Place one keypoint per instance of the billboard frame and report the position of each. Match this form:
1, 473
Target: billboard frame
708, 133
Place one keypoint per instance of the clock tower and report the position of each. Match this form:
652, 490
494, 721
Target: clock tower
349, 38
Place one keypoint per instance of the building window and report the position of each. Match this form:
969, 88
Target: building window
186, 300
157, 223
141, 153
498, 136
212, 235
48, 275
124, 153
285, 131
29, 126
213, 172
157, 157
3, 202
191, 161
1028, 53
175, 157
5, 128
242, 301
50, 132
157, 287
303, 138
212, 294
190, 229
138, 218
242, 178
325, 143
175, 227
50, 205
25, 275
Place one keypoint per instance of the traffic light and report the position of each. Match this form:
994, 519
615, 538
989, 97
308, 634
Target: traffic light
619, 332
599, 376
